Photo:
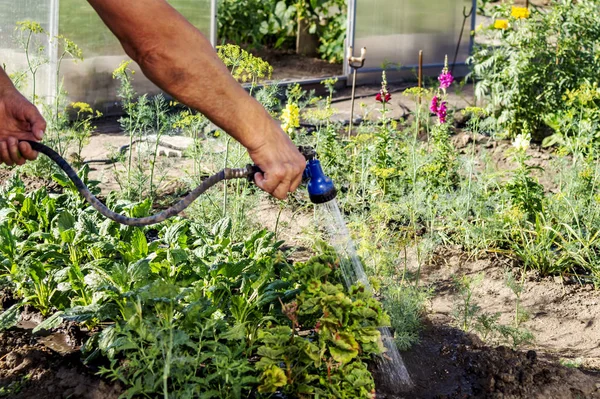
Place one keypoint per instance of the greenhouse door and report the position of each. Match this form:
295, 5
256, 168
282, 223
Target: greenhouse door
394, 31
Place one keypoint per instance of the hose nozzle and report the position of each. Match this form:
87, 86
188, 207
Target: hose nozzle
320, 187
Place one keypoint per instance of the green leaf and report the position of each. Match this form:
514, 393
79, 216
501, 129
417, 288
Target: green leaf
28, 208
139, 243
222, 229
272, 378
50, 323
10, 317
65, 221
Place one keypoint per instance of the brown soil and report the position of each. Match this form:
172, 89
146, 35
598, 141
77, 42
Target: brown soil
31, 370
31, 183
287, 65
448, 364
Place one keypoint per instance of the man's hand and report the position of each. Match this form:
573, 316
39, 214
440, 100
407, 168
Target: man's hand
19, 120
281, 162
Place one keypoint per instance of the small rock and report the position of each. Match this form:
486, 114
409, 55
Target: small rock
461, 140
13, 359
531, 355
558, 279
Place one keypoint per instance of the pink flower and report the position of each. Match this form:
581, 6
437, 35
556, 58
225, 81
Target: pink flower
383, 97
445, 79
439, 108
442, 112
434, 104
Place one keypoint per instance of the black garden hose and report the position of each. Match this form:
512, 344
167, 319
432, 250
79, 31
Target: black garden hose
225, 174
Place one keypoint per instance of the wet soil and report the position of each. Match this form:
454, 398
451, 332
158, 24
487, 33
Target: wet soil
449, 364
30, 369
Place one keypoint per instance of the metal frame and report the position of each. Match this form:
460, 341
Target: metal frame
350, 32
214, 9
53, 46
351, 40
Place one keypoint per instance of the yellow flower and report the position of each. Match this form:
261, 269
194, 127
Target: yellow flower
520, 12
82, 107
500, 24
290, 118
121, 69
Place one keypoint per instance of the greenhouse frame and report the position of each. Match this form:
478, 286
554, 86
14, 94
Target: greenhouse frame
393, 31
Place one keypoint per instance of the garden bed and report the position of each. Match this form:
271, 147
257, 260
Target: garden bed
562, 362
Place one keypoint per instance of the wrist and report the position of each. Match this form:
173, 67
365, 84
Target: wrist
259, 130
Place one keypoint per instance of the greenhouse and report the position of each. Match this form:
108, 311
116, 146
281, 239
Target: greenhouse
393, 31
299, 199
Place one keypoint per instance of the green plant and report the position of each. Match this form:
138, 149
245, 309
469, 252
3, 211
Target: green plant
466, 309
31, 37
537, 61
329, 331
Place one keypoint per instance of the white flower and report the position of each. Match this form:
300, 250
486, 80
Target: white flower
522, 142
218, 315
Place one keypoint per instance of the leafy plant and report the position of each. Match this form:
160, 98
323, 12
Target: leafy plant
536, 61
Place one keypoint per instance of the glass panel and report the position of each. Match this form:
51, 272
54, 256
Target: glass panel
395, 30
13, 54
91, 81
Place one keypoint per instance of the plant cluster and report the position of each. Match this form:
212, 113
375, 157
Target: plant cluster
192, 312
276, 22
531, 61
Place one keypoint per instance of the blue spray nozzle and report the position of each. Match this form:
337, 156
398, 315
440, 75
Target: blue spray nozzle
320, 187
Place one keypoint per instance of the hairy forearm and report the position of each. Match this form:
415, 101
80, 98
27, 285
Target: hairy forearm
177, 57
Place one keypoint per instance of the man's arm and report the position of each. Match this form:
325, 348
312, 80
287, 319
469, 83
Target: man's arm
19, 120
177, 57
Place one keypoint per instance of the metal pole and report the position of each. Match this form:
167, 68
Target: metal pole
420, 73
53, 50
350, 30
354, 63
213, 22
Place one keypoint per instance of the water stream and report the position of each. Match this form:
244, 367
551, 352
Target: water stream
391, 367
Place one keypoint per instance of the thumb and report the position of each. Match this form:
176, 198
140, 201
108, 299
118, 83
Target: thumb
37, 122
259, 180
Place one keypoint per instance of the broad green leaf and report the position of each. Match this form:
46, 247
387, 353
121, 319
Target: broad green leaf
272, 378
10, 317
65, 221
139, 243
50, 323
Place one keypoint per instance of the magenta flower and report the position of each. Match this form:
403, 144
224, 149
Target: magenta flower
442, 112
434, 104
439, 108
383, 97
445, 79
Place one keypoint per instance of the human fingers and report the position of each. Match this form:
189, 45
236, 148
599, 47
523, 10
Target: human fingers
36, 121
282, 190
272, 182
26, 151
4, 155
17, 135
13, 150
